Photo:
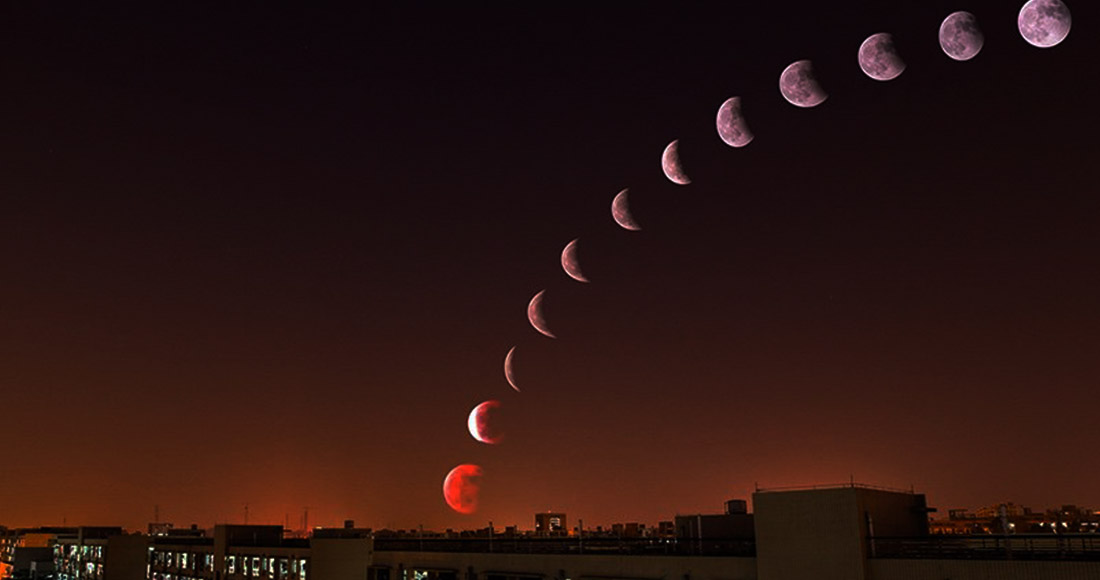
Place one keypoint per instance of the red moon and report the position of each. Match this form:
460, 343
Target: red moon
534, 315
461, 487
479, 422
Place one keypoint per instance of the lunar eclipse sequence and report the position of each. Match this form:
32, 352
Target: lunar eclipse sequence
1041, 23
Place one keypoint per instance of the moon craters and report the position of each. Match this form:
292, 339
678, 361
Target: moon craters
879, 59
960, 37
1044, 23
799, 86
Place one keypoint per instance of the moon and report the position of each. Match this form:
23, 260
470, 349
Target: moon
1044, 23
960, 37
509, 373
569, 262
879, 59
620, 211
461, 488
799, 87
670, 164
534, 315
731, 124
479, 423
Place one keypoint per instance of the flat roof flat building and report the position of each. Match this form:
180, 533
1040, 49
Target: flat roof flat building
841, 532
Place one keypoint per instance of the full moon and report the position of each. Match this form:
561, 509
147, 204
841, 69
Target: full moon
960, 37
480, 423
570, 264
731, 124
670, 164
534, 315
620, 212
799, 87
1044, 23
461, 487
879, 58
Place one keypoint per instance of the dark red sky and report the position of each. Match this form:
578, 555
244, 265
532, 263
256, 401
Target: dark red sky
274, 256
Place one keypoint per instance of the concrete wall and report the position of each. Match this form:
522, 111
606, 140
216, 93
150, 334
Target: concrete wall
573, 566
890, 569
822, 533
894, 514
809, 534
340, 558
126, 557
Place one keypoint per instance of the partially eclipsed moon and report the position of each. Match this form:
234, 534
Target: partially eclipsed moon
960, 37
620, 210
461, 487
509, 373
731, 124
799, 87
480, 425
1044, 23
570, 264
534, 315
879, 59
670, 164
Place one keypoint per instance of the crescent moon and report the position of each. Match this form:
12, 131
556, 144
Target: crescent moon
461, 488
534, 315
620, 211
670, 164
731, 124
508, 372
478, 422
799, 86
1044, 23
879, 59
569, 262
960, 37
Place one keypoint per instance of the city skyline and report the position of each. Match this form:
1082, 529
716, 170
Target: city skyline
275, 256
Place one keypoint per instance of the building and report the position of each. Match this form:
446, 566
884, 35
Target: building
235, 552
839, 532
717, 533
550, 524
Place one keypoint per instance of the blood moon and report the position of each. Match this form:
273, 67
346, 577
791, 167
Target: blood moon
461, 488
480, 422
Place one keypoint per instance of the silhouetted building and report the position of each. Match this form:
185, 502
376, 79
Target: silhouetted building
549, 524
716, 533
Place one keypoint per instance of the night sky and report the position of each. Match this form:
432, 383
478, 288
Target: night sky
274, 255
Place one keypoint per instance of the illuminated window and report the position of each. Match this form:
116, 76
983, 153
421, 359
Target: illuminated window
183, 559
231, 564
420, 575
282, 568
302, 569
255, 565
271, 566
